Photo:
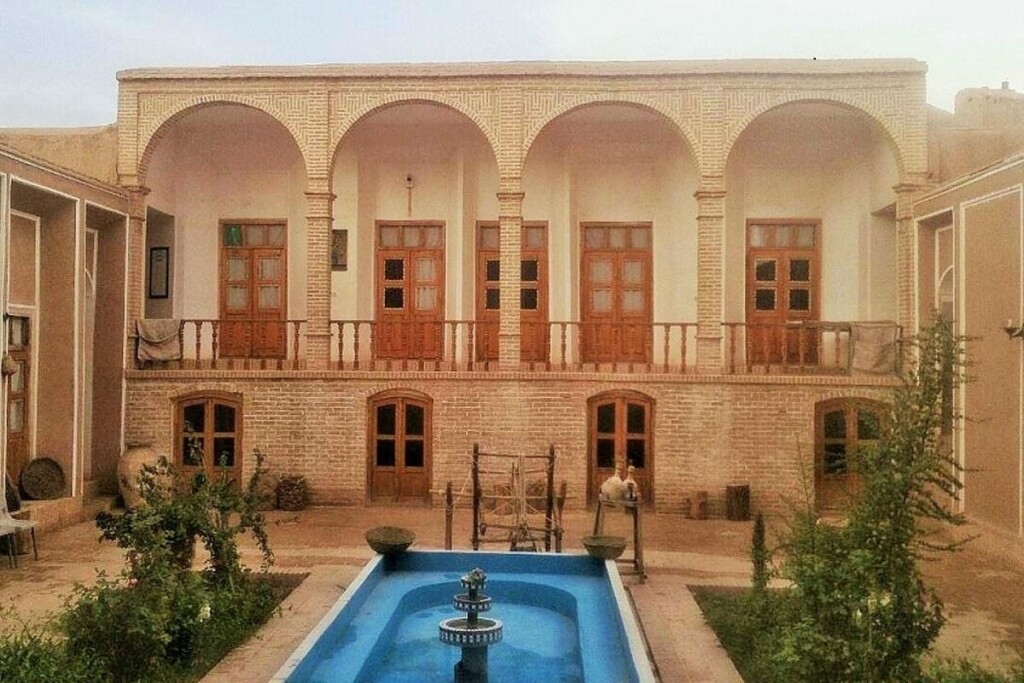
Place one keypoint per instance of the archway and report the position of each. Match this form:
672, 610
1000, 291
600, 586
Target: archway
810, 231
615, 183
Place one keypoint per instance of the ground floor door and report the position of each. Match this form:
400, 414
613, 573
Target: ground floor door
782, 292
253, 290
620, 435
841, 427
535, 336
400, 450
19, 426
615, 311
409, 291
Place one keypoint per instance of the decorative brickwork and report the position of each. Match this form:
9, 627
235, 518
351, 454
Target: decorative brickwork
707, 434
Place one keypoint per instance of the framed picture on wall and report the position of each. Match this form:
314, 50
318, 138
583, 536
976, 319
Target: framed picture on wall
339, 249
159, 272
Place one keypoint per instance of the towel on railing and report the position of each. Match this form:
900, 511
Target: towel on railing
874, 347
158, 339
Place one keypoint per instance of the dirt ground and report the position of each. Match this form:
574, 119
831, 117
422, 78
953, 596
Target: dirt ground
982, 585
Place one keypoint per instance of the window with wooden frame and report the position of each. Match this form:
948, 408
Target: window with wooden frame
208, 433
533, 290
783, 285
410, 289
400, 447
616, 292
621, 434
841, 427
253, 288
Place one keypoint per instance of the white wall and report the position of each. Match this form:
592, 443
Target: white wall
227, 162
824, 162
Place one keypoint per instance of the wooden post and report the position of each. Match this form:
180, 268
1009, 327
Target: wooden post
550, 508
449, 509
562, 493
476, 496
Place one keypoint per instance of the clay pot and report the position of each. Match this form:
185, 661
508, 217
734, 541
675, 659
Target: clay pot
129, 466
604, 547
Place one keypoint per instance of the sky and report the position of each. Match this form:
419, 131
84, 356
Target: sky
59, 59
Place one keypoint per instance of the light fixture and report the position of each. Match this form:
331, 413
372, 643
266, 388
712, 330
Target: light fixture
409, 182
1013, 330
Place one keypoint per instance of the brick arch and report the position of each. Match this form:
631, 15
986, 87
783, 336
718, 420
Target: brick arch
390, 100
572, 104
879, 120
155, 132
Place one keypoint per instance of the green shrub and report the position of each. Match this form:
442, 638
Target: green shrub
965, 671
36, 654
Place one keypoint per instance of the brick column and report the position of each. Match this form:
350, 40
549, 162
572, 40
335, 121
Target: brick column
135, 244
319, 220
906, 257
510, 218
710, 196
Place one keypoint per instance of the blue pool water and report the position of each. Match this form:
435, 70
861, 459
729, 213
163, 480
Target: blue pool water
561, 615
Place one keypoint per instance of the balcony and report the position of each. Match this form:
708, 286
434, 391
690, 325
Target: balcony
808, 348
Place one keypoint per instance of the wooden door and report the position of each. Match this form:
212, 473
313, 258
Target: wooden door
400, 457
842, 427
19, 424
533, 293
782, 292
616, 293
621, 435
410, 291
253, 290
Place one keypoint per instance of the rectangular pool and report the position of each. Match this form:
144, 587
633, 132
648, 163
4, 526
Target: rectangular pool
566, 618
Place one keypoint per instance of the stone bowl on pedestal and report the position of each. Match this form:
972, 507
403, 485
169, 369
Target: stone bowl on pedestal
604, 547
389, 540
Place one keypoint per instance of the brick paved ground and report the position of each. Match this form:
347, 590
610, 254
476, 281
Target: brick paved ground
979, 585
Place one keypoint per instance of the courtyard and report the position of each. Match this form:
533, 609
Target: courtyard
326, 544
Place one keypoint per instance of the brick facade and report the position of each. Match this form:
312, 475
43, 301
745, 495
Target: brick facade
707, 432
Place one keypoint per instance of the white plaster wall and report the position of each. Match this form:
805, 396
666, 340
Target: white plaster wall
822, 162
227, 162
455, 180
616, 163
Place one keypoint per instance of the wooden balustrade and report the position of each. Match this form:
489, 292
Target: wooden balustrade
560, 346
209, 344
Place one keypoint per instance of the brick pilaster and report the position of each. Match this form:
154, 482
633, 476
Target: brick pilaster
319, 219
510, 218
136, 268
906, 257
710, 196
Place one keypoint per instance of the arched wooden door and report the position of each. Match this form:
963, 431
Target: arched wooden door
620, 433
841, 426
400, 457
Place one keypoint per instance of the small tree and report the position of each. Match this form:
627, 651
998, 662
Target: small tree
760, 556
864, 612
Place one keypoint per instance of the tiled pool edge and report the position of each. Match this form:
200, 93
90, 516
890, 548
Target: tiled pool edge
290, 664
627, 624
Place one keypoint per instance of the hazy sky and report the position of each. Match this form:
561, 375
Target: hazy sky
59, 58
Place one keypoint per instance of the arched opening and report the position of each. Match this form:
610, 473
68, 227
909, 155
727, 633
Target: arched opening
412, 181
227, 206
620, 435
400, 447
810, 234
614, 183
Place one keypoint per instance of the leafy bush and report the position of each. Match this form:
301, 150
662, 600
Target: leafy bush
36, 654
178, 511
864, 611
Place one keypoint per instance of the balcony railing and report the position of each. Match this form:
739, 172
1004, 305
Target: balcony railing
205, 344
812, 347
821, 348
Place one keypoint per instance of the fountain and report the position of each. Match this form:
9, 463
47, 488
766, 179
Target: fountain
472, 633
